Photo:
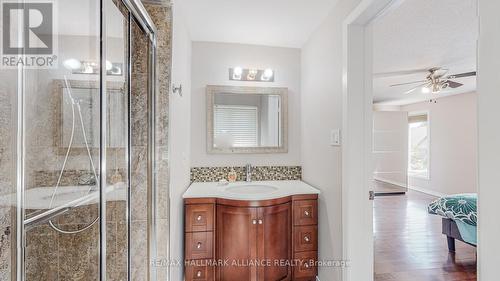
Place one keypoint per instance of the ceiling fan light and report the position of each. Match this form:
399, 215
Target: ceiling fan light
426, 90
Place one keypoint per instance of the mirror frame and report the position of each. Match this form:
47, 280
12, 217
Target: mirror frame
212, 90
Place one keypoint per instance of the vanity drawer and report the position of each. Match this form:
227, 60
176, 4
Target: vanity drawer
305, 238
200, 273
305, 212
199, 245
200, 217
307, 269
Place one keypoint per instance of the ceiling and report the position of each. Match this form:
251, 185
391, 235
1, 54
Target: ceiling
420, 34
280, 23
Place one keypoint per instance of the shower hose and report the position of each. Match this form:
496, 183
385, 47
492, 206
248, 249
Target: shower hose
79, 109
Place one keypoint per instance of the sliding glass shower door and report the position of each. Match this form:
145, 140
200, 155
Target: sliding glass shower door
77, 197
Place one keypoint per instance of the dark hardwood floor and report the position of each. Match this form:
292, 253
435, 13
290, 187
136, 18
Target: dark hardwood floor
409, 245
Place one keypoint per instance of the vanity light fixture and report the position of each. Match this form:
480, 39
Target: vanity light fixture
246, 74
90, 67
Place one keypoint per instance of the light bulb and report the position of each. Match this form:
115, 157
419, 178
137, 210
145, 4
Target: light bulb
72, 64
268, 73
109, 65
238, 71
426, 90
252, 73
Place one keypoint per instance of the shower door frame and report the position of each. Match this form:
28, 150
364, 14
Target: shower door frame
137, 13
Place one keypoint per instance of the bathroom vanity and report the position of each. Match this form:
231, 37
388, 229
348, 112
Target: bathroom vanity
257, 231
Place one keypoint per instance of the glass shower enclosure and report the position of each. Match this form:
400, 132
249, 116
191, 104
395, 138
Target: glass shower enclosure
77, 141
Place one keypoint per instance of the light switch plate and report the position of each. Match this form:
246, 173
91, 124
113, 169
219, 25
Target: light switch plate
335, 137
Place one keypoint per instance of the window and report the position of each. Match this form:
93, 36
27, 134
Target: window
418, 160
236, 126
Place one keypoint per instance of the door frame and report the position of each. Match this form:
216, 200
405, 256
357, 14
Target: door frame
357, 209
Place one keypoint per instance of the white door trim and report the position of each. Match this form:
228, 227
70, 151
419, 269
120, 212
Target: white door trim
357, 210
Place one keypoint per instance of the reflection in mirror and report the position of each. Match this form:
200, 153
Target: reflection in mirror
85, 95
246, 120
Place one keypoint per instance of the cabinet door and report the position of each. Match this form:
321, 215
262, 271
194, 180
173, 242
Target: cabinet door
274, 242
236, 243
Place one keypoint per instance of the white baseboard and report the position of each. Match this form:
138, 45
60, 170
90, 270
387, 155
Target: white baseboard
403, 185
427, 191
415, 188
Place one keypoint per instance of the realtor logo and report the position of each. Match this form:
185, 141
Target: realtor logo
28, 34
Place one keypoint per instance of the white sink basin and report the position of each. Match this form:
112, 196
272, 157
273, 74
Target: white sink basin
254, 191
251, 189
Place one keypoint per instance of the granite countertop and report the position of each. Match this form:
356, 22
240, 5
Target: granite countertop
255, 190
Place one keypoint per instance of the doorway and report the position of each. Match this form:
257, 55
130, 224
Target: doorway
358, 136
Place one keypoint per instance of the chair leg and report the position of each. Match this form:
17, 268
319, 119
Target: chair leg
451, 244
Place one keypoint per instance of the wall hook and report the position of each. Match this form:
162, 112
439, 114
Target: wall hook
177, 90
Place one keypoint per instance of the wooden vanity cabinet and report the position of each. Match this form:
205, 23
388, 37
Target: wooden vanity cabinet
260, 240
236, 239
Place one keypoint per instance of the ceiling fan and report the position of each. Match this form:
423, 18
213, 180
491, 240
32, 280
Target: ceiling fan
436, 81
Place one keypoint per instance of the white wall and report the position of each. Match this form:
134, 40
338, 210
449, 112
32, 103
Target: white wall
453, 145
390, 147
321, 101
210, 65
179, 136
384, 107
489, 139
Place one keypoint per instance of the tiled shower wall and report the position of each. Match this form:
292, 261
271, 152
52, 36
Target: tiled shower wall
161, 14
7, 180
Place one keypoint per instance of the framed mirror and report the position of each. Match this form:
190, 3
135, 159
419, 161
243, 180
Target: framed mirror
85, 94
247, 119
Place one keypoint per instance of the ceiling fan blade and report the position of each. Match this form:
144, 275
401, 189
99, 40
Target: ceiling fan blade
408, 83
453, 84
400, 73
461, 75
415, 88
438, 72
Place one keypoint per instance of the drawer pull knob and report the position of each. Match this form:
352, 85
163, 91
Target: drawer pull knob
198, 218
306, 265
198, 274
254, 221
306, 238
306, 213
198, 245
260, 221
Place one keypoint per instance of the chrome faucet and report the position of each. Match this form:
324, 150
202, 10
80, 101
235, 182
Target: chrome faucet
249, 173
